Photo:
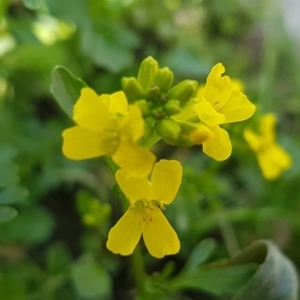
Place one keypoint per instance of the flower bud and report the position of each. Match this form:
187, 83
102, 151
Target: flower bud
168, 129
153, 91
144, 106
194, 134
164, 79
172, 107
147, 72
158, 113
133, 89
183, 91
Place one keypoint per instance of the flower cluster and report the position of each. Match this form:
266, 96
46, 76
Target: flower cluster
125, 124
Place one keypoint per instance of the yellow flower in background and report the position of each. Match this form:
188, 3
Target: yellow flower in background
219, 103
272, 159
106, 125
144, 216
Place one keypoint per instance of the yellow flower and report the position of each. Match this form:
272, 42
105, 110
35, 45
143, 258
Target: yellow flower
221, 103
144, 216
107, 126
272, 159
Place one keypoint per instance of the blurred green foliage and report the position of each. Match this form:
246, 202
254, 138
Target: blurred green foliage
55, 247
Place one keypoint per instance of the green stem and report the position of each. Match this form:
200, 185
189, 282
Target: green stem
138, 270
228, 235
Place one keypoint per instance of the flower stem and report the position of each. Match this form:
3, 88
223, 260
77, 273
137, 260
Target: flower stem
228, 235
138, 270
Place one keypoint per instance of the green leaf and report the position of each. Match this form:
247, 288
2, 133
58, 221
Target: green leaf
12, 195
200, 254
30, 227
216, 279
106, 52
259, 272
77, 11
276, 277
65, 88
90, 279
7, 213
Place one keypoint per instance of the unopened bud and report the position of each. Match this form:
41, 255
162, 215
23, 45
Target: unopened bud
168, 129
147, 72
133, 89
153, 91
164, 79
144, 106
183, 91
158, 113
194, 133
172, 107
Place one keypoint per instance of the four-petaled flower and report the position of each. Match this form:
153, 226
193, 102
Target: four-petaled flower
144, 216
272, 159
219, 104
108, 126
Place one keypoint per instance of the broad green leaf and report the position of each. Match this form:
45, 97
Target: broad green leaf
275, 279
216, 279
30, 227
200, 254
90, 279
13, 194
76, 11
65, 88
7, 213
106, 52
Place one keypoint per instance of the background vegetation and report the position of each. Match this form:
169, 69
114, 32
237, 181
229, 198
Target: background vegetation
55, 247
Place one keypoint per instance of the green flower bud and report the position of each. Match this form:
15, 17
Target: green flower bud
158, 113
168, 129
184, 91
147, 72
144, 106
164, 79
133, 89
172, 107
194, 134
153, 91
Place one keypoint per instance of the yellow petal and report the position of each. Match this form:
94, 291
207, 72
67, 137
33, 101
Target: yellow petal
132, 124
134, 188
135, 160
200, 91
219, 147
207, 113
237, 108
90, 112
237, 85
118, 103
159, 236
125, 235
166, 180
81, 143
267, 127
217, 89
255, 141
273, 161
